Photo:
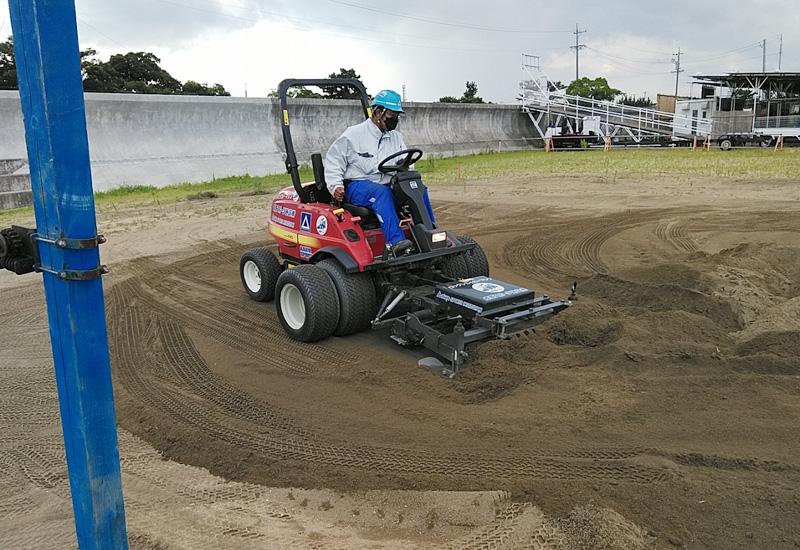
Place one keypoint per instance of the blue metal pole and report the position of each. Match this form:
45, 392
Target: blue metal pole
48, 69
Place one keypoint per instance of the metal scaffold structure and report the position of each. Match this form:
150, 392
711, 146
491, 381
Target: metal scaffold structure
554, 111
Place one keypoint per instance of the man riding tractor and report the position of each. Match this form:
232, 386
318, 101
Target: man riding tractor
351, 168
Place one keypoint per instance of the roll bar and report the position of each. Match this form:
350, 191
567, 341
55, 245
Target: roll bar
283, 87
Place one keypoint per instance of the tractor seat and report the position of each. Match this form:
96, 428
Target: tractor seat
362, 211
368, 218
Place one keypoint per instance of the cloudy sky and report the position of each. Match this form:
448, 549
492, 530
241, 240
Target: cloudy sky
433, 47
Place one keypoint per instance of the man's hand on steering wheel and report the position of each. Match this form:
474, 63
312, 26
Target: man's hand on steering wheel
410, 156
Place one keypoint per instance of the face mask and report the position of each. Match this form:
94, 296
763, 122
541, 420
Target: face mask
391, 123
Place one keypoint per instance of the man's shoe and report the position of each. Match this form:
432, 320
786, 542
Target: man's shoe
398, 249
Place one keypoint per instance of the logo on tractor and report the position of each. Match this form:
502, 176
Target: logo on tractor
305, 221
305, 252
322, 225
488, 287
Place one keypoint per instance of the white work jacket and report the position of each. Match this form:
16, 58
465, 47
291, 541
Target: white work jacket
355, 155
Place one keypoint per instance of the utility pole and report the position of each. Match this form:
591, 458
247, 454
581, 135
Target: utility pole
577, 47
764, 56
780, 53
677, 71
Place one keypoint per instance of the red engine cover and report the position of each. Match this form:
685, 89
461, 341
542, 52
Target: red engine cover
302, 229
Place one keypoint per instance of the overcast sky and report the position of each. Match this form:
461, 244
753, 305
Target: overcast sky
433, 47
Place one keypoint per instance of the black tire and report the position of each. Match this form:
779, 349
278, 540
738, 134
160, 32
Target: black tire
454, 267
259, 270
307, 305
476, 260
725, 144
358, 304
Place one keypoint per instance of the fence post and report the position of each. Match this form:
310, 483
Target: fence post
51, 93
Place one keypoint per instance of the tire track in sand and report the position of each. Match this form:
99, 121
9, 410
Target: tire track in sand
159, 365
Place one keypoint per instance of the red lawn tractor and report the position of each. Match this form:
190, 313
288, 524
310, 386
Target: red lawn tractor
332, 276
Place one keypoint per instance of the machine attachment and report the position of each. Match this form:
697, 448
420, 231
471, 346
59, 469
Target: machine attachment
465, 311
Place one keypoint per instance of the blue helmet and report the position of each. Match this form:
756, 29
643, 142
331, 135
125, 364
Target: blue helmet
388, 99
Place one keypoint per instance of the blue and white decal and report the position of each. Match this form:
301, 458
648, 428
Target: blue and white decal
281, 221
305, 221
322, 225
305, 252
488, 287
284, 210
412, 184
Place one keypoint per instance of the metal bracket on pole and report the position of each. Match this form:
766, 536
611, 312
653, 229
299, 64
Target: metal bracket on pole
71, 244
74, 274
66, 243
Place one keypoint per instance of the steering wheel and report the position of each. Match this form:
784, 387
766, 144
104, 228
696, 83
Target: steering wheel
410, 156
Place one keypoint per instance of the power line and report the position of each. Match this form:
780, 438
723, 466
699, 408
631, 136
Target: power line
643, 61
617, 65
103, 34
336, 35
442, 21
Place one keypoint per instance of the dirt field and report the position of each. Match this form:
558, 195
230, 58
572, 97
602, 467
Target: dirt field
660, 411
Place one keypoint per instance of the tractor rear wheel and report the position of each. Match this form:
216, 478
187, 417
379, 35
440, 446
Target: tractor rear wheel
454, 267
357, 302
307, 304
476, 260
259, 270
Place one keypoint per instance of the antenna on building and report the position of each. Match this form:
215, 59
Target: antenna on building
780, 53
245, 89
764, 56
404, 92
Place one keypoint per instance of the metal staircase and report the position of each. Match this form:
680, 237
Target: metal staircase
555, 109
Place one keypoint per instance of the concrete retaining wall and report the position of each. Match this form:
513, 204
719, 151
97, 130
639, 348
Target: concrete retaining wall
163, 140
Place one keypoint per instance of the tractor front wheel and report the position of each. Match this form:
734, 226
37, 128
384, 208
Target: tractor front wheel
259, 270
307, 305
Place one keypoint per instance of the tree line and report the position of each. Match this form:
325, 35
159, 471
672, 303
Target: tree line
133, 72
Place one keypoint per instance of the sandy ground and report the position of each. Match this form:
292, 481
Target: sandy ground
660, 411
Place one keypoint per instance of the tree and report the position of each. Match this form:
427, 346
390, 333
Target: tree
141, 73
643, 102
341, 92
97, 76
297, 91
133, 72
597, 88
470, 95
8, 65
195, 88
